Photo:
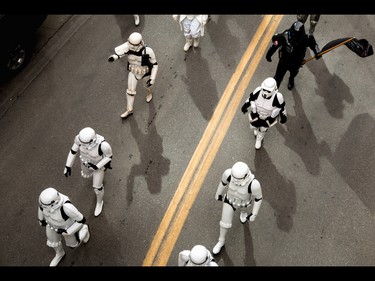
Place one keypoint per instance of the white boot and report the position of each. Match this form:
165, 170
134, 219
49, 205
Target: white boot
243, 217
220, 244
84, 234
126, 113
60, 253
196, 42
259, 139
99, 201
189, 42
136, 20
218, 247
129, 106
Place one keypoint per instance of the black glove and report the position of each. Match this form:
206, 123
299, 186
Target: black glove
42, 223
93, 166
112, 58
148, 83
268, 59
254, 115
283, 117
61, 231
244, 107
68, 171
316, 49
270, 119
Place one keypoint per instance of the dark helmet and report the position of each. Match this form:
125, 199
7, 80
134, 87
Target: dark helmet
296, 31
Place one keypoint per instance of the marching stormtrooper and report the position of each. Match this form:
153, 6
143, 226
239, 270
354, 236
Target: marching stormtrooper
267, 105
61, 219
242, 189
197, 256
95, 156
142, 64
193, 28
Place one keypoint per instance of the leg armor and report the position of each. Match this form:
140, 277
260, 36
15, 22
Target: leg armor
130, 94
60, 253
99, 191
189, 42
225, 224
54, 241
78, 232
260, 136
136, 20
131, 91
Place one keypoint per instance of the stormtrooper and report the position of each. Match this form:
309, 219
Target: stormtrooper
197, 256
267, 106
142, 64
193, 27
95, 156
242, 189
61, 219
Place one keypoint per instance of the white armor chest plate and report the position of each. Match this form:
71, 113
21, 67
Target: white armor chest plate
264, 107
135, 65
55, 220
190, 17
238, 195
134, 60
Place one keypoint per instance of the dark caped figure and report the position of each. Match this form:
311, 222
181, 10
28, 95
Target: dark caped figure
292, 44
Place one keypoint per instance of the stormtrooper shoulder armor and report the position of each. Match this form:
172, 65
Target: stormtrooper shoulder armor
122, 49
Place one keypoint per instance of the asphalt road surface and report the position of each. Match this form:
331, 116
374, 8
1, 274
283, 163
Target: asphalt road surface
316, 171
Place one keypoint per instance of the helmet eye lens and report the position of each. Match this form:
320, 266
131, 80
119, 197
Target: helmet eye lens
135, 45
239, 181
50, 204
86, 144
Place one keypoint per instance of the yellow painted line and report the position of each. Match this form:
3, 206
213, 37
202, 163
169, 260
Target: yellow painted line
191, 182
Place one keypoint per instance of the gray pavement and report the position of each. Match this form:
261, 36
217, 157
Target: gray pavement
317, 171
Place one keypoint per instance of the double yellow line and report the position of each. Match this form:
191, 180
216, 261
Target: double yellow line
192, 180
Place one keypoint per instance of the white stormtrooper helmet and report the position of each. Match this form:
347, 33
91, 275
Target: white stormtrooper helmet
269, 87
240, 173
199, 255
87, 137
50, 199
135, 41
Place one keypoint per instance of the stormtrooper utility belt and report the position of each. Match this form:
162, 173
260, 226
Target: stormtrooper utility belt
236, 202
138, 69
73, 228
